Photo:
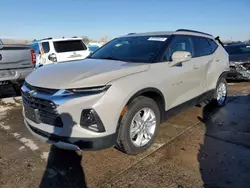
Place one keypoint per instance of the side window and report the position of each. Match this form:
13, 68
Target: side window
213, 44
36, 48
179, 43
202, 46
45, 46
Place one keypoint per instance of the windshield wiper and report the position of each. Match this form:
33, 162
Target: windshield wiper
114, 58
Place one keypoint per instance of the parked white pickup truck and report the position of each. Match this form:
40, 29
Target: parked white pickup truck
16, 62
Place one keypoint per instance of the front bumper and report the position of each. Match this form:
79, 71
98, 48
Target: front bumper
20, 74
73, 143
68, 134
238, 75
239, 71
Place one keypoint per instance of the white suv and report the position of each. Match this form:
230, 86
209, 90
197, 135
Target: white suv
50, 50
121, 93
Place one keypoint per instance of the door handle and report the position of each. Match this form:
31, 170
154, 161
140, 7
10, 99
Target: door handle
195, 67
217, 60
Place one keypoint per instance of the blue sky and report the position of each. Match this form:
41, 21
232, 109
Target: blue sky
29, 19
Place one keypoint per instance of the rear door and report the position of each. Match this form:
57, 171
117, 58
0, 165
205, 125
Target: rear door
184, 83
204, 51
68, 50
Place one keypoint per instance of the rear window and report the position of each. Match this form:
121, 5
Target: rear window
202, 46
69, 46
213, 44
238, 49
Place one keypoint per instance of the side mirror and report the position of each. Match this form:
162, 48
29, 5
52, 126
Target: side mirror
179, 57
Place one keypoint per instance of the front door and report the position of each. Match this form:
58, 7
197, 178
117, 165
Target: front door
184, 80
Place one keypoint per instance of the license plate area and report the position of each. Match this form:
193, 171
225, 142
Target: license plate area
32, 114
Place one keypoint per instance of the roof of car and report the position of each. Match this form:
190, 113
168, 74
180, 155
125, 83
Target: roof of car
57, 39
239, 44
162, 33
157, 33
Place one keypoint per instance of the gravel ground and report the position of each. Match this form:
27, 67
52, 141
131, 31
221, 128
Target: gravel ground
201, 147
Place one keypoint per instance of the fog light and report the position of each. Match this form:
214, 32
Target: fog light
87, 118
90, 120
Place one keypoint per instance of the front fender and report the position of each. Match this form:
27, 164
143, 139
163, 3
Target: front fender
118, 96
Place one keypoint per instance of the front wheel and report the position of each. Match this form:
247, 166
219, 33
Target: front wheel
139, 125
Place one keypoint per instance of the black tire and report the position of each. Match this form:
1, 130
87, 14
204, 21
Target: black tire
124, 142
17, 88
214, 100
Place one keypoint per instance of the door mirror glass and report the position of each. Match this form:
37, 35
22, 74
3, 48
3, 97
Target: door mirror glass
179, 57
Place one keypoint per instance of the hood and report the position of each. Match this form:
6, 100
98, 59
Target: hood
84, 73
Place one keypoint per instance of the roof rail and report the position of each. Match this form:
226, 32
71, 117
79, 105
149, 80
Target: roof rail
188, 30
131, 33
42, 39
49, 38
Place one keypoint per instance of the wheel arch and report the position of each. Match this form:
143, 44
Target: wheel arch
152, 93
222, 75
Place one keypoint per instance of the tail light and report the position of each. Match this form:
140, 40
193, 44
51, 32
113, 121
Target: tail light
52, 57
33, 57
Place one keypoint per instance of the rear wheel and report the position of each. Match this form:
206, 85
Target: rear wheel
139, 126
220, 95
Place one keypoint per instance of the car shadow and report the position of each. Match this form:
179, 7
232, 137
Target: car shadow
224, 155
64, 167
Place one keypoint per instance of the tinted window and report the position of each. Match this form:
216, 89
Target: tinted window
69, 46
35, 47
133, 49
202, 47
179, 43
213, 44
45, 46
238, 49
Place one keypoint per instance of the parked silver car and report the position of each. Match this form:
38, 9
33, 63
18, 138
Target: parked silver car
121, 93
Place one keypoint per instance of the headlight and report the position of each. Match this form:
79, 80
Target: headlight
90, 90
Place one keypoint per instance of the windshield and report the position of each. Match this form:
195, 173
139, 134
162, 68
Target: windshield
132, 49
238, 49
69, 46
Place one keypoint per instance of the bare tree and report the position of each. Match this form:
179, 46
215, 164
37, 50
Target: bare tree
104, 39
85, 39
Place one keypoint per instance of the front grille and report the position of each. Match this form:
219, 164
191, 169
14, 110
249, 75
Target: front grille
40, 89
41, 110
